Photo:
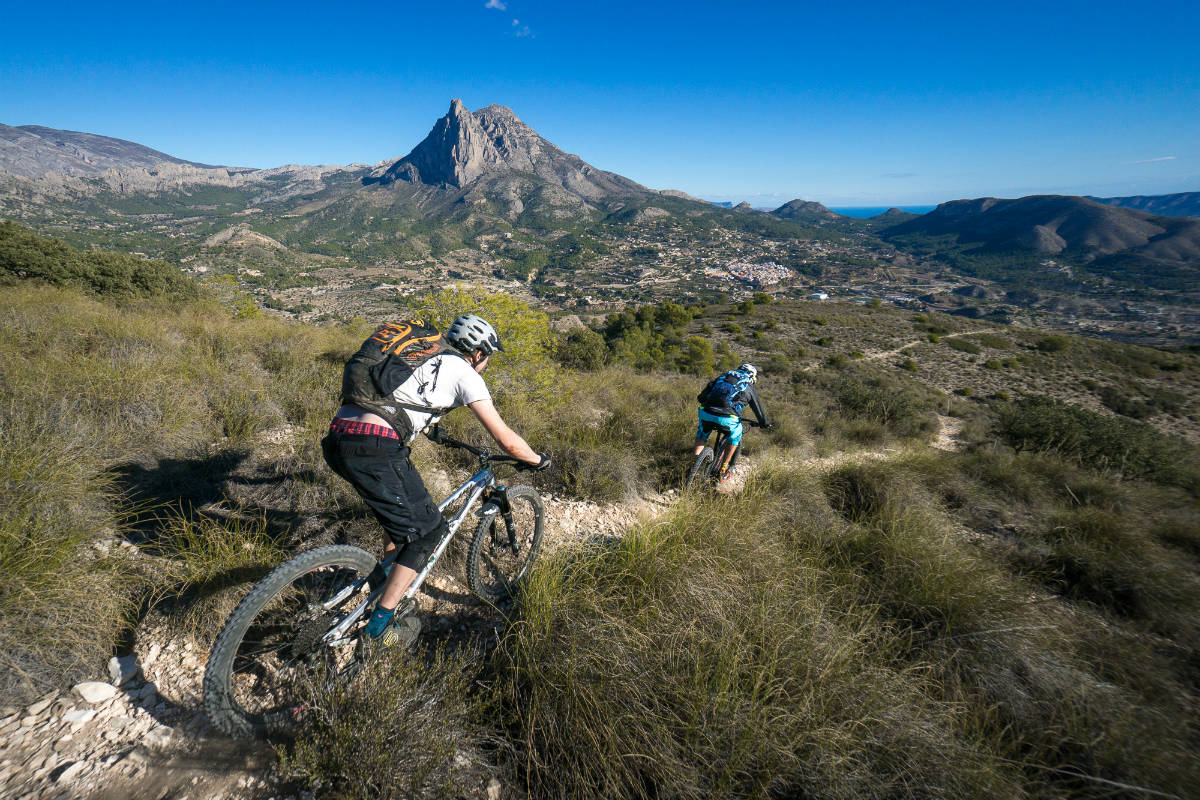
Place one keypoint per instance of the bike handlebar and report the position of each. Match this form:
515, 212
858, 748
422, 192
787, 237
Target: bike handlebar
435, 435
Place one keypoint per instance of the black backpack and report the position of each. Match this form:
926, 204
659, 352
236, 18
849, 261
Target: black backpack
386, 360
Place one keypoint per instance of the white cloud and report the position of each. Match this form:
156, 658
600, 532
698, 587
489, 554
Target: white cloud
496, 4
521, 30
1152, 160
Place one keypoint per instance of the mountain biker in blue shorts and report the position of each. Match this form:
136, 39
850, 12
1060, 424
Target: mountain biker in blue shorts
721, 404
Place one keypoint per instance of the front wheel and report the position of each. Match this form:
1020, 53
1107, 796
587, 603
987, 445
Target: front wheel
700, 468
274, 641
505, 545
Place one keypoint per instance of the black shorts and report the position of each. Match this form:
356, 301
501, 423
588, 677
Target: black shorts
380, 471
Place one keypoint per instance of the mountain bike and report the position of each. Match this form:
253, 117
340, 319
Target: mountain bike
305, 621
705, 470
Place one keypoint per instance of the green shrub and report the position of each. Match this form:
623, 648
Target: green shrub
1053, 343
731, 327
633, 668
1121, 401
909, 365
582, 348
1135, 450
903, 410
933, 337
761, 298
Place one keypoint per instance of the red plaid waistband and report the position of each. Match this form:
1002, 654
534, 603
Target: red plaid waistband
340, 425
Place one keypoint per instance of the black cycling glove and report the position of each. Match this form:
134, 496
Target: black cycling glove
542, 465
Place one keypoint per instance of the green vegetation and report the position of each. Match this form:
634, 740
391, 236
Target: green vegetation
1043, 424
901, 660
1016, 619
24, 255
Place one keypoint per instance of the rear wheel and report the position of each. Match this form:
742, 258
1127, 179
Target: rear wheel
700, 469
273, 641
504, 547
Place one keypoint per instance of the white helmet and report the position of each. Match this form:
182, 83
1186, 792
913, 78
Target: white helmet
470, 333
750, 370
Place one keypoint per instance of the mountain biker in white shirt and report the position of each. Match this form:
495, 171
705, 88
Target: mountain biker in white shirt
367, 451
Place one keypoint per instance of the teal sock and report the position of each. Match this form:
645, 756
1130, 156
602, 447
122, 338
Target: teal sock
379, 620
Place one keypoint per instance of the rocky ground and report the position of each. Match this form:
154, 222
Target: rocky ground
142, 734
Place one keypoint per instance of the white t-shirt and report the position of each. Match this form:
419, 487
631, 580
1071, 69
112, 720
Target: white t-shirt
446, 381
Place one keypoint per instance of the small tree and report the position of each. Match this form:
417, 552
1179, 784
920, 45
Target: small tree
582, 349
699, 358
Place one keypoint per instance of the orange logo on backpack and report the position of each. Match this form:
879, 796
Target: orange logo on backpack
398, 337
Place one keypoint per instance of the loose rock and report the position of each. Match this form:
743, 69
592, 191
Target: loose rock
95, 691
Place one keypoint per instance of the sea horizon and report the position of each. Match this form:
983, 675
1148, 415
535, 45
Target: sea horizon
862, 212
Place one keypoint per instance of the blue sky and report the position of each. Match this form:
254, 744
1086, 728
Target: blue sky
848, 104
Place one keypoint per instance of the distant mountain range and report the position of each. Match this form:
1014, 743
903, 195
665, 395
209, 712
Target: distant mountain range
485, 172
1053, 224
32, 151
1183, 204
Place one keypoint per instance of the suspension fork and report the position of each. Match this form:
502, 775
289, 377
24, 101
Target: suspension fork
496, 503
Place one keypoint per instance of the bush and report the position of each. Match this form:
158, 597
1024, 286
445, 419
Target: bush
582, 348
909, 365
1135, 450
903, 410
1121, 401
525, 368
1053, 343
633, 668
993, 341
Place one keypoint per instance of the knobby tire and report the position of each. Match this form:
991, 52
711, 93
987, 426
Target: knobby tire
284, 642
493, 570
700, 468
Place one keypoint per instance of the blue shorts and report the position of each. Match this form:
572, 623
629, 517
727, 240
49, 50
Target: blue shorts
710, 422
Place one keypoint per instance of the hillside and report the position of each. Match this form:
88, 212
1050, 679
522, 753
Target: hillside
1182, 204
1052, 225
1014, 615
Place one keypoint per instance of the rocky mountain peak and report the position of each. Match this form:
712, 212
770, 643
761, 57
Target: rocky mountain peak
464, 147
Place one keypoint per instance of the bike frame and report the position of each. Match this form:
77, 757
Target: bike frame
720, 443
473, 488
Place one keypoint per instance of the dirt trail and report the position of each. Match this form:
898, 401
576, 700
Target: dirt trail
148, 738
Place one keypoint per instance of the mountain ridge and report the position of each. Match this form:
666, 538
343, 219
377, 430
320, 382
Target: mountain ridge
1180, 204
31, 151
1054, 224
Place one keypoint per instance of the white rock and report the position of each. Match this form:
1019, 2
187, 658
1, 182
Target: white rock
40, 705
147, 692
95, 691
123, 669
493, 789
79, 716
155, 649
69, 774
